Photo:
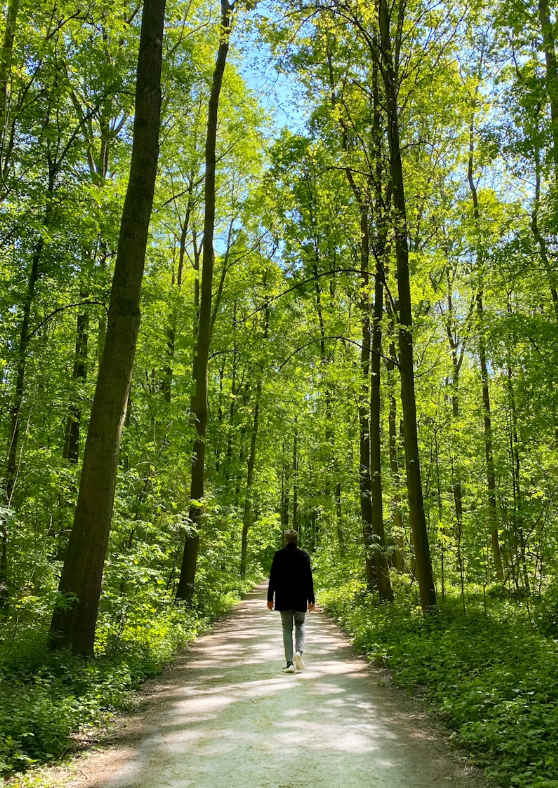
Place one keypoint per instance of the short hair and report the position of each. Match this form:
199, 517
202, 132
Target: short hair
291, 536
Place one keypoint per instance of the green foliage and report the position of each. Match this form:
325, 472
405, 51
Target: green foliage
490, 677
45, 697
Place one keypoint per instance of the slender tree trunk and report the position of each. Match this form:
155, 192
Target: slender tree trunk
74, 623
400, 562
488, 447
5, 75
385, 590
295, 481
79, 376
339, 518
549, 46
519, 529
247, 515
456, 361
170, 331
285, 481
185, 589
414, 482
363, 409
541, 240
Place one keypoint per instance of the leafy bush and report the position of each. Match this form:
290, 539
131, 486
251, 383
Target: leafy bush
489, 674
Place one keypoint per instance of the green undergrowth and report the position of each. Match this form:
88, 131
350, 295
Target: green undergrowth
51, 700
490, 674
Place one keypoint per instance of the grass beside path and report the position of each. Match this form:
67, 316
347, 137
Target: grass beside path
491, 675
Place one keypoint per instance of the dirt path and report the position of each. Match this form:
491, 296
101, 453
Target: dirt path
228, 718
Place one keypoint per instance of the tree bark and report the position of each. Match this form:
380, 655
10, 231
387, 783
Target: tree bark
73, 623
185, 589
412, 459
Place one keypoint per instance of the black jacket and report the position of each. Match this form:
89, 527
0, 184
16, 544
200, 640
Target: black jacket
291, 580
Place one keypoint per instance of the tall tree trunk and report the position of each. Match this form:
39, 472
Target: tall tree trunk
79, 376
5, 74
488, 446
456, 361
385, 590
339, 517
412, 459
549, 46
247, 514
365, 482
400, 562
185, 589
295, 481
170, 331
285, 482
518, 516
73, 624
540, 239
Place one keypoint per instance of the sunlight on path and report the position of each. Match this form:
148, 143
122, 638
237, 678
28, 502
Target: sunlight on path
235, 721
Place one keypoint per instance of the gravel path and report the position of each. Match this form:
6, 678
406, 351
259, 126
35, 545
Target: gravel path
228, 718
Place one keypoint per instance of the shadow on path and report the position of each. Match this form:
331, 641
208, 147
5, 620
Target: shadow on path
230, 719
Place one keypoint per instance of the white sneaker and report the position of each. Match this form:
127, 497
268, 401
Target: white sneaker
289, 669
298, 661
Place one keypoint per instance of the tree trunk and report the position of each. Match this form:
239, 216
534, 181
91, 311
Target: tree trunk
488, 448
540, 239
79, 376
339, 518
414, 483
5, 74
549, 46
247, 515
365, 483
170, 331
400, 562
295, 481
185, 589
385, 590
73, 623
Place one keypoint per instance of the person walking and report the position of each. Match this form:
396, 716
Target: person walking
290, 581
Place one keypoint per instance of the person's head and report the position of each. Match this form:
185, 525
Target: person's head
291, 536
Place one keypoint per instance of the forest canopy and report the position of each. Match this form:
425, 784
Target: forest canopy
268, 267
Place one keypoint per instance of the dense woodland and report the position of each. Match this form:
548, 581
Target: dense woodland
339, 223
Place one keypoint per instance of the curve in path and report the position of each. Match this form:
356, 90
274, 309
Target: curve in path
230, 719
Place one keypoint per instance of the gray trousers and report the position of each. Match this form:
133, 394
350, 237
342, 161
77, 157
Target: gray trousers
287, 618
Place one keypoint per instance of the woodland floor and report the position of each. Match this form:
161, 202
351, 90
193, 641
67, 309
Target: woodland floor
225, 716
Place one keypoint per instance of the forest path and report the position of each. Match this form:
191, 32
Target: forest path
228, 718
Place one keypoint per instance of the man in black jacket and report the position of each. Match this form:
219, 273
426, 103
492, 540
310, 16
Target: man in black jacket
291, 582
